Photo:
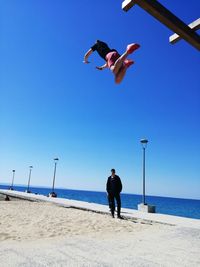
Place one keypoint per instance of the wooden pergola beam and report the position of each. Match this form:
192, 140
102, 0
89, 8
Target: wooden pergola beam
195, 26
167, 18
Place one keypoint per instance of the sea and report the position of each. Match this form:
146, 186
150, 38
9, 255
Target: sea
166, 205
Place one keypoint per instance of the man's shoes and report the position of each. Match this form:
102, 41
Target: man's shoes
132, 47
120, 217
113, 215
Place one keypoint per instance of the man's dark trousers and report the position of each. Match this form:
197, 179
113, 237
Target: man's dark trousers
112, 198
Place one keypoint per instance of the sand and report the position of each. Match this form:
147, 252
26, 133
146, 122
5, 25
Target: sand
43, 234
24, 220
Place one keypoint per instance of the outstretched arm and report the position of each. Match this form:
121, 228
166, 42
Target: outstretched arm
102, 67
86, 56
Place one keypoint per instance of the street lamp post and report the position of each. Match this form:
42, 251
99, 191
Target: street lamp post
144, 145
13, 177
29, 179
53, 194
144, 206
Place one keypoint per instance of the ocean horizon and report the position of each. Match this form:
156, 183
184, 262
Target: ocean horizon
165, 205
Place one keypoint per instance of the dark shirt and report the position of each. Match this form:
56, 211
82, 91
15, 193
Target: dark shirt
114, 185
102, 49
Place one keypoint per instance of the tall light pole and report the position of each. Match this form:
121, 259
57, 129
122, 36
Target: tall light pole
144, 207
29, 179
53, 194
144, 145
13, 177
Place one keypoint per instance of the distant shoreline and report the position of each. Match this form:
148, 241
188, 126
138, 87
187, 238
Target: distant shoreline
95, 191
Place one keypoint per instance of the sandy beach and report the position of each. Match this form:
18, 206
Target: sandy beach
43, 234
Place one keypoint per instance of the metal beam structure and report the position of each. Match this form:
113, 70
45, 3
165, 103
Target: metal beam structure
195, 26
167, 18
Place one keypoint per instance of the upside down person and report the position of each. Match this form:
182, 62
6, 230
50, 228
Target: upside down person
117, 63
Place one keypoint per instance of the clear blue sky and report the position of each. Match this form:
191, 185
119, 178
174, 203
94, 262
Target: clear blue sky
52, 105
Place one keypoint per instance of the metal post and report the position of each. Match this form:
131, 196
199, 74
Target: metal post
144, 207
29, 179
144, 176
12, 179
144, 145
54, 176
53, 194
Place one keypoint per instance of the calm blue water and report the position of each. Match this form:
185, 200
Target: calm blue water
173, 206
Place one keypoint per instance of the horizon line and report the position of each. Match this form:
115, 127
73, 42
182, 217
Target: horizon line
87, 190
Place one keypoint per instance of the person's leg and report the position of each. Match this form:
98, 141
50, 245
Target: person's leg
132, 47
112, 204
120, 75
109, 202
119, 62
128, 62
118, 199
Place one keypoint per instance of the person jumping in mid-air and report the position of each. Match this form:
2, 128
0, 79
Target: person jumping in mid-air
117, 63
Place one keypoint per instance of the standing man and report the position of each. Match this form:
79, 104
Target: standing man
113, 188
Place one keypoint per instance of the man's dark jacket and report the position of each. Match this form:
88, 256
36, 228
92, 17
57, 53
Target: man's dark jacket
114, 185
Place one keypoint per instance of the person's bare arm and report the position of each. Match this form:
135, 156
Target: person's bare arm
86, 56
102, 67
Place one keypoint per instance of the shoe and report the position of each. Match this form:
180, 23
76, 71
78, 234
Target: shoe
132, 47
112, 214
128, 62
120, 217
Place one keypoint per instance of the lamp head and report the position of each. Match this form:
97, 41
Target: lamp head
144, 142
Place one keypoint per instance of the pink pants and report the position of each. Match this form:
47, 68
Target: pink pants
111, 58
